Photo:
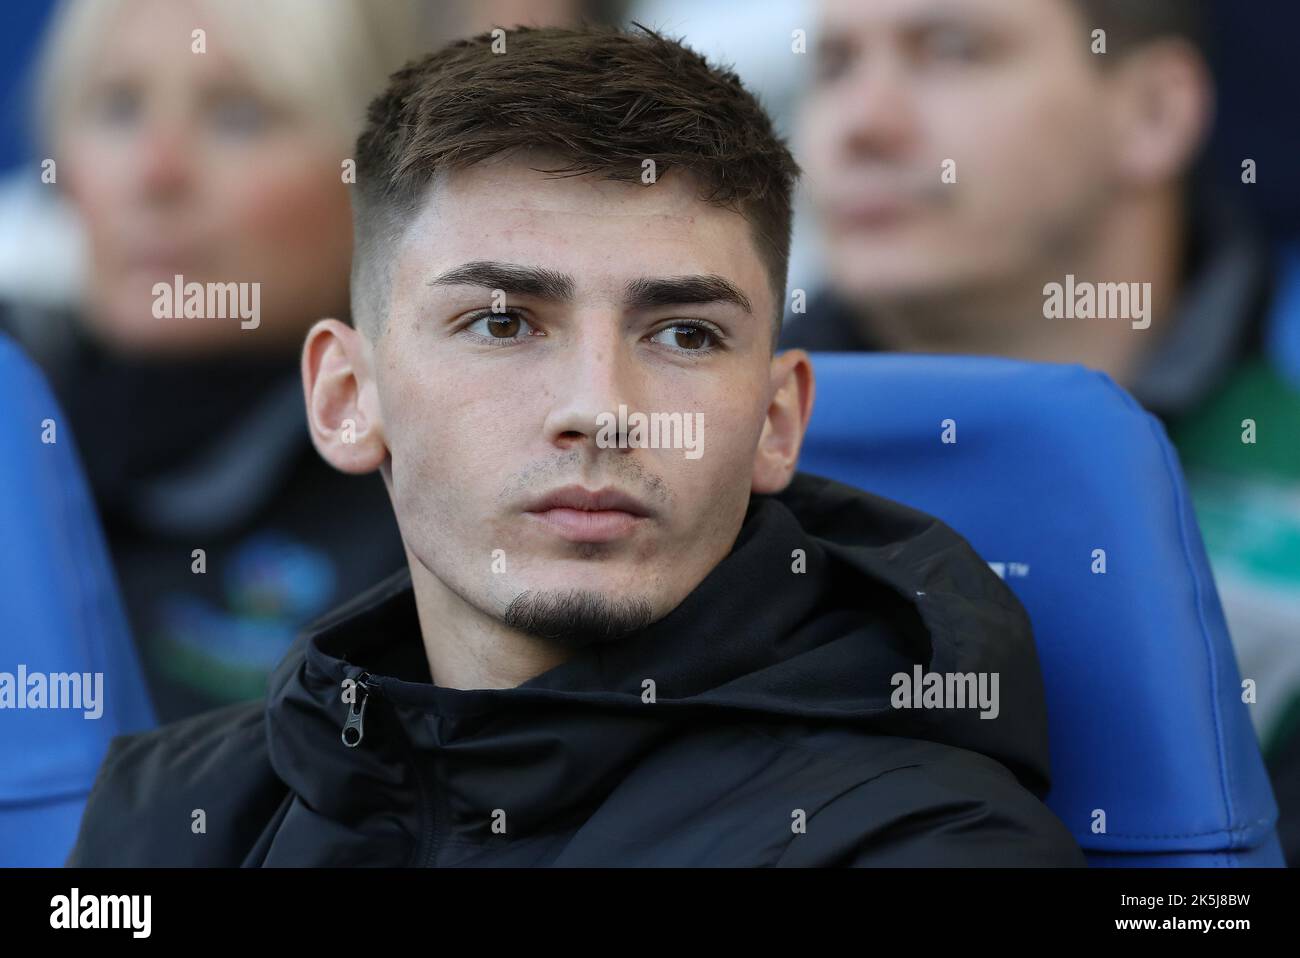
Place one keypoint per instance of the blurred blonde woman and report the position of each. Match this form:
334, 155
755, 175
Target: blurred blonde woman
206, 145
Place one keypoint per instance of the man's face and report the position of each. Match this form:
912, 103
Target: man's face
1007, 89
613, 294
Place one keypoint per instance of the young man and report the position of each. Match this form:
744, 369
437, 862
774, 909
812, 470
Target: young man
606, 650
996, 178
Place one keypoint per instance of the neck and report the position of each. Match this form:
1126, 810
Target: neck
1139, 240
469, 649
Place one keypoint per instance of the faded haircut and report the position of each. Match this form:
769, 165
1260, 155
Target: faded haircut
603, 98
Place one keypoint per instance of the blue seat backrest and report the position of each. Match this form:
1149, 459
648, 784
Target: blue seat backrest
1282, 341
1054, 474
60, 613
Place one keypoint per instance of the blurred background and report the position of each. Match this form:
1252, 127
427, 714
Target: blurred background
1249, 53
231, 166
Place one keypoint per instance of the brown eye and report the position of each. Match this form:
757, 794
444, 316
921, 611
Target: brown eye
831, 62
499, 327
689, 337
118, 105
503, 327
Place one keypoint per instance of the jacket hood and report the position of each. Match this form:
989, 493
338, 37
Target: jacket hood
886, 590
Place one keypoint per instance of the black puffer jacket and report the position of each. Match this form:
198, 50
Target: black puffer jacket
767, 736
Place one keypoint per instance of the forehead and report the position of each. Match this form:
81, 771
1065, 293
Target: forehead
600, 231
916, 14
152, 41
145, 34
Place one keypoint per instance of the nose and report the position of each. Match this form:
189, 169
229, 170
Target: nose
878, 111
164, 167
594, 373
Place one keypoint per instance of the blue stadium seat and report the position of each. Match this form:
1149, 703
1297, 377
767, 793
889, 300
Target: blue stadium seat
1051, 464
1282, 336
60, 613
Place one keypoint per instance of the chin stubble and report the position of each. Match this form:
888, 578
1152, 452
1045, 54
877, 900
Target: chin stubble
577, 618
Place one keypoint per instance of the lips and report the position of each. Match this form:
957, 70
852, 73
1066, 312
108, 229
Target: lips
586, 515
878, 212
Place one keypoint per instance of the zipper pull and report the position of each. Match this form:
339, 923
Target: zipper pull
352, 729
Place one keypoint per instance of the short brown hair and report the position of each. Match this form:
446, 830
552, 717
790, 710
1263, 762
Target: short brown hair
1131, 23
604, 98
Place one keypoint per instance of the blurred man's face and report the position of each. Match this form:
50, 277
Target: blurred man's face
1008, 89
178, 164
614, 294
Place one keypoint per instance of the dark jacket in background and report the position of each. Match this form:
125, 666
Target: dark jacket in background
771, 707
214, 455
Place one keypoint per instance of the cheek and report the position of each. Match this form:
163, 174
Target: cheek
732, 425
283, 213
436, 445
817, 137
1029, 155
290, 230
421, 475
98, 190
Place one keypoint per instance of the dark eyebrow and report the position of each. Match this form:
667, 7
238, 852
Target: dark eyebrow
938, 17
542, 283
944, 19
509, 277
683, 290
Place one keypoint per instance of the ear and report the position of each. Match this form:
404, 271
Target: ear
1164, 104
342, 403
792, 392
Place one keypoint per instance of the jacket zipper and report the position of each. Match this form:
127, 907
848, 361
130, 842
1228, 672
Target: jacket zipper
354, 731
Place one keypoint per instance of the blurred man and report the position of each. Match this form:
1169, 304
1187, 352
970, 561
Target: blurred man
610, 646
1014, 177
962, 154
